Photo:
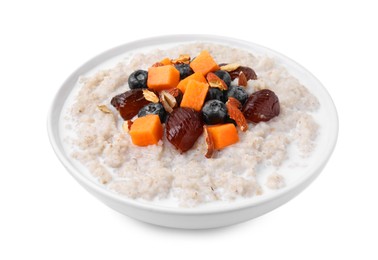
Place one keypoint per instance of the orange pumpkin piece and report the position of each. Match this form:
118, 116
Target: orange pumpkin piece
163, 77
166, 61
204, 63
196, 76
223, 135
146, 130
195, 95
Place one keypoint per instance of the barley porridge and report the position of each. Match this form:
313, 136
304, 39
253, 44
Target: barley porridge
160, 172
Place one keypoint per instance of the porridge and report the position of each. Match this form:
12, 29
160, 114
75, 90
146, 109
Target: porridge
223, 158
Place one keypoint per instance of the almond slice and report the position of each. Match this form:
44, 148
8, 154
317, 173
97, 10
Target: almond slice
234, 102
157, 64
176, 93
104, 108
215, 82
242, 81
234, 112
150, 96
230, 67
168, 101
209, 143
182, 59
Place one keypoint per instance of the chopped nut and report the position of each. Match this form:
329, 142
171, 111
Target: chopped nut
215, 82
234, 112
234, 102
104, 108
183, 58
168, 101
230, 67
176, 93
242, 79
209, 143
150, 96
127, 125
157, 64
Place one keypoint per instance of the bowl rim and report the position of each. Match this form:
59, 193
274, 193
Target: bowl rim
53, 131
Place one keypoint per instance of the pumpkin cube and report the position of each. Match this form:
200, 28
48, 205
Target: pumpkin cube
163, 77
166, 61
195, 95
223, 135
196, 76
146, 130
204, 63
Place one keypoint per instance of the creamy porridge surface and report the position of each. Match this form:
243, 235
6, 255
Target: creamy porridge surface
160, 172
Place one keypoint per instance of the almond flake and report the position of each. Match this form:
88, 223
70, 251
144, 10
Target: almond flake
215, 82
182, 59
242, 79
234, 102
209, 143
157, 64
230, 67
235, 113
168, 101
104, 108
150, 96
176, 93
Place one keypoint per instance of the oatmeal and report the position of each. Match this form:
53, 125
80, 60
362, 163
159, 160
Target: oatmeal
102, 142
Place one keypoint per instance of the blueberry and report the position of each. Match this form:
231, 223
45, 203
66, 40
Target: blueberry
215, 93
138, 79
237, 92
153, 109
225, 76
184, 69
214, 112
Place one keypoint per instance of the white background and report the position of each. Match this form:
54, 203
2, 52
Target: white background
45, 214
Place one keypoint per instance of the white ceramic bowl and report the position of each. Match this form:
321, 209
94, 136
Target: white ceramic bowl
202, 217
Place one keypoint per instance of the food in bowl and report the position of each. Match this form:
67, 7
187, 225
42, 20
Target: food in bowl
253, 114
